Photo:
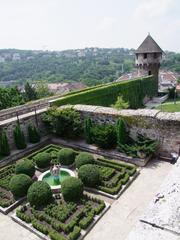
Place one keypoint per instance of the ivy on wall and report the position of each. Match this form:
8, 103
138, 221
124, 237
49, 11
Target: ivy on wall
132, 91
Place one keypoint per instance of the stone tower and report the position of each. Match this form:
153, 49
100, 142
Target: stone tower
148, 58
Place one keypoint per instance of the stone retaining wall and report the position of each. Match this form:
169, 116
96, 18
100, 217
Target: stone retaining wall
152, 123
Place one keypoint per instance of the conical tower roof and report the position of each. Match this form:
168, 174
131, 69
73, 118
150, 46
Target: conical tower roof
149, 46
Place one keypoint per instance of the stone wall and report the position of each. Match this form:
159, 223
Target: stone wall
24, 120
152, 123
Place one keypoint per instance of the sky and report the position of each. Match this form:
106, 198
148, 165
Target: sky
74, 24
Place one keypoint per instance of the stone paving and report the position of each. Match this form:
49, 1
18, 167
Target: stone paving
161, 219
122, 216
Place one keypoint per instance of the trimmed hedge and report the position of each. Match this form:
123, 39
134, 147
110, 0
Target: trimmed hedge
72, 189
132, 91
39, 194
42, 159
19, 185
84, 158
75, 234
25, 166
66, 156
89, 174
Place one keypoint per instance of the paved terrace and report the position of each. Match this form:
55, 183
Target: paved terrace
161, 220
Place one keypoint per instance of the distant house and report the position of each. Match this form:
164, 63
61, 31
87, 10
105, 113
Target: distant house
167, 79
62, 88
16, 57
2, 59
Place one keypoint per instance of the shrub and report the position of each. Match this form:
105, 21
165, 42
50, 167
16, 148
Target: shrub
25, 166
121, 132
90, 175
87, 130
40, 227
4, 145
66, 156
120, 103
84, 158
104, 136
56, 236
43, 159
24, 217
33, 134
63, 122
85, 222
72, 189
19, 137
75, 234
39, 194
19, 185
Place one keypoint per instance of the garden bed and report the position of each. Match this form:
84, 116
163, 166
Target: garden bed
61, 220
116, 175
114, 154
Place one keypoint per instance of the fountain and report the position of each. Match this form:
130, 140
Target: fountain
55, 176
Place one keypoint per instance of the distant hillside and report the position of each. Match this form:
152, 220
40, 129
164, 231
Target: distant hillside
90, 66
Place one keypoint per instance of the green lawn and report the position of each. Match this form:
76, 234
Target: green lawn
170, 107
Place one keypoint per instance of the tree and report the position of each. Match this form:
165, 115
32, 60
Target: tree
30, 92
33, 134
42, 90
4, 144
121, 132
19, 137
87, 129
120, 104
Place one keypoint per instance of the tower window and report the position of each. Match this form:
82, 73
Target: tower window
149, 73
155, 55
145, 55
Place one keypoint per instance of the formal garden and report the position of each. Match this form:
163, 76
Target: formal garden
54, 189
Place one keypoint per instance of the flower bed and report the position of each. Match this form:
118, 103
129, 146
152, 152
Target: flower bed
60, 220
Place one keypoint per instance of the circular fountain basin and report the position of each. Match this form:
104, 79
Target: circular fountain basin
54, 184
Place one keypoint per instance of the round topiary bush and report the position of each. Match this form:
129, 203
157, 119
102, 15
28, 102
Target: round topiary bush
39, 194
19, 185
25, 166
43, 159
89, 174
84, 158
66, 156
72, 189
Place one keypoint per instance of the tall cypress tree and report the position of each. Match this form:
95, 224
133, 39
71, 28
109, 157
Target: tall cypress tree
19, 137
33, 134
4, 144
121, 132
87, 129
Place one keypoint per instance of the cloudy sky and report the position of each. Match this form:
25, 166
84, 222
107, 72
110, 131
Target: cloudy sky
68, 24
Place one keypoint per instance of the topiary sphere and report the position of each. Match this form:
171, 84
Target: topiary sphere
19, 185
25, 166
43, 159
84, 158
72, 189
89, 174
66, 156
39, 194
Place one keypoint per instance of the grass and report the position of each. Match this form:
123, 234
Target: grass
170, 107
